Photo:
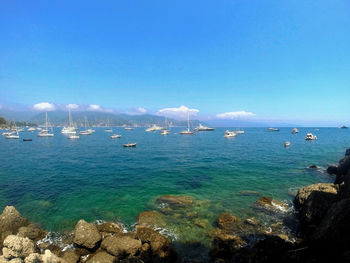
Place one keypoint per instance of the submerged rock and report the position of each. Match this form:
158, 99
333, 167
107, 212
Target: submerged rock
270, 204
313, 166
17, 247
173, 201
86, 235
121, 246
151, 218
227, 221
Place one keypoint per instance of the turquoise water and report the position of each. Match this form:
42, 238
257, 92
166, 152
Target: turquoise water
56, 181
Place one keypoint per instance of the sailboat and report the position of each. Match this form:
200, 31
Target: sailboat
187, 132
87, 131
13, 134
70, 129
109, 129
45, 132
165, 131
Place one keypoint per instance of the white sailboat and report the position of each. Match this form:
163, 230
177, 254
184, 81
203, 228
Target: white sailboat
45, 132
108, 129
13, 134
165, 131
188, 131
70, 129
86, 131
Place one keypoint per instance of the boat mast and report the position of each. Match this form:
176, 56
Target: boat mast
188, 121
46, 123
166, 123
70, 118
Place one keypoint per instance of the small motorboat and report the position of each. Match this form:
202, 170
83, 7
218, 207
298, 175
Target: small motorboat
273, 129
239, 132
286, 144
128, 128
343, 127
27, 140
115, 136
295, 130
73, 137
229, 134
201, 127
310, 137
86, 132
12, 136
129, 144
164, 132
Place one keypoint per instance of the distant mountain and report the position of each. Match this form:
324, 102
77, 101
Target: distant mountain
60, 118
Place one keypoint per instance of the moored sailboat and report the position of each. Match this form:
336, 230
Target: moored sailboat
45, 132
188, 131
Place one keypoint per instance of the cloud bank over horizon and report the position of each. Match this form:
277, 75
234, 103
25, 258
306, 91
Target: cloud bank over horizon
179, 112
235, 115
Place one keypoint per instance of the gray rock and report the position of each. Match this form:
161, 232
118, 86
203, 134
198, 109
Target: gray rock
86, 235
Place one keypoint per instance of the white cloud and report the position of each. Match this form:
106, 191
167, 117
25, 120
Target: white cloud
44, 106
235, 115
180, 112
72, 106
141, 110
94, 107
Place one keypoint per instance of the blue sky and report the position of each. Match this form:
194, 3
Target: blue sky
280, 60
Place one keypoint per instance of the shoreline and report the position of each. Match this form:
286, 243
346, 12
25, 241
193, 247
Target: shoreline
231, 238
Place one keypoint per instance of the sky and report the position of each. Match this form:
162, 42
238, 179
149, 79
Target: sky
269, 60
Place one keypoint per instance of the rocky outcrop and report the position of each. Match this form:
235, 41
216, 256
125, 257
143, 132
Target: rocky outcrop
312, 202
86, 235
33, 232
10, 221
151, 218
342, 172
17, 247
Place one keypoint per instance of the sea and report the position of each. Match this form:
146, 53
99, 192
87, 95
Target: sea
56, 181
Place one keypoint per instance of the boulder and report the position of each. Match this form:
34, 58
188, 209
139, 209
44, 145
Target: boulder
160, 245
313, 166
110, 227
173, 201
332, 169
227, 221
102, 257
33, 232
121, 246
225, 245
17, 247
70, 256
33, 258
86, 235
49, 257
312, 202
10, 221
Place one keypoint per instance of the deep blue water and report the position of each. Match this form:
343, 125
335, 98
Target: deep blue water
56, 181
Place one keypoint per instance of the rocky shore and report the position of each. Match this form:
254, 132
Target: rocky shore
321, 234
